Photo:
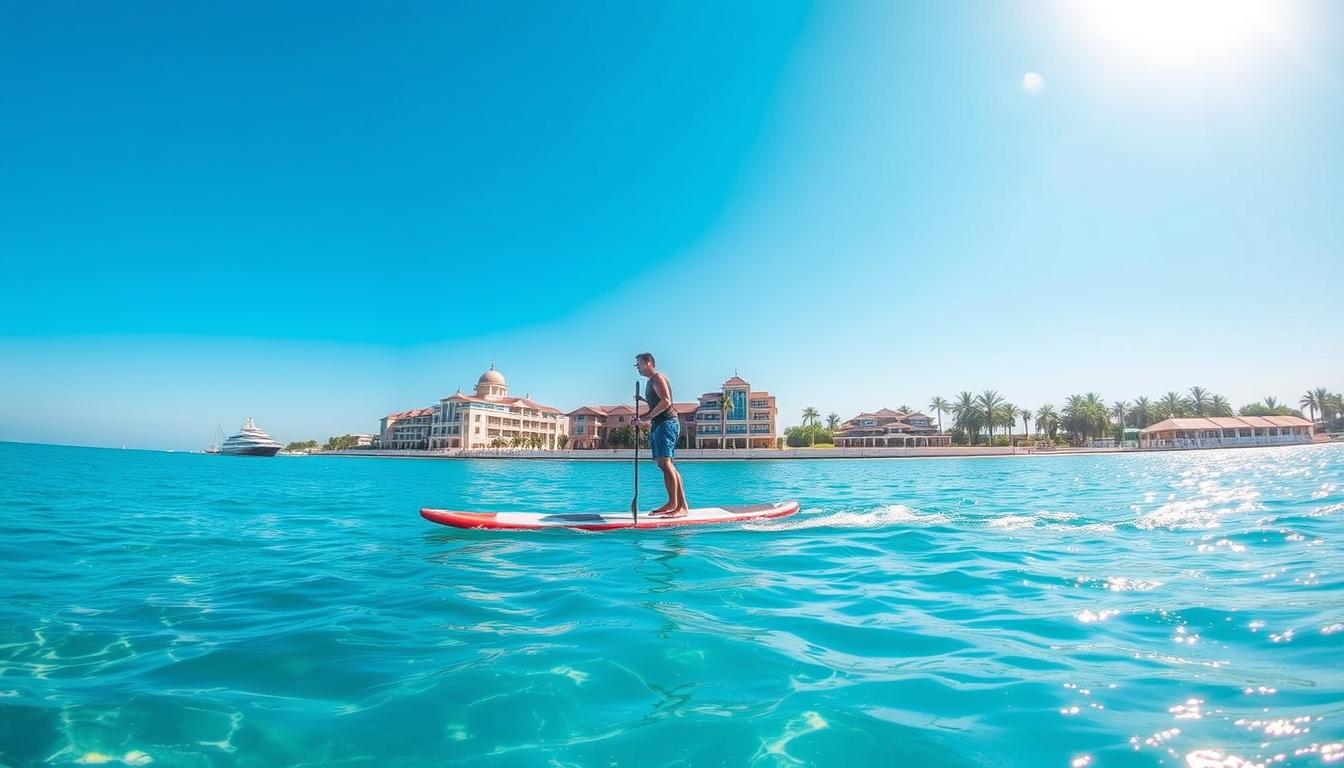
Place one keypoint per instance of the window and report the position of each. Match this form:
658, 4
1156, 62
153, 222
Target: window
739, 400
476, 430
578, 430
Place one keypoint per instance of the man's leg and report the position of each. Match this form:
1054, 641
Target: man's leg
669, 483
681, 506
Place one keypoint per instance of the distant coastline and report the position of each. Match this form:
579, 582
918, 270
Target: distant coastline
766, 454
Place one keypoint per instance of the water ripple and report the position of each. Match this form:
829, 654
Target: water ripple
1085, 611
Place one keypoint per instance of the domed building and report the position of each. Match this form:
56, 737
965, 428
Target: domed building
492, 384
490, 418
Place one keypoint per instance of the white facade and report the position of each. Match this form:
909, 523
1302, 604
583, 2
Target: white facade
491, 418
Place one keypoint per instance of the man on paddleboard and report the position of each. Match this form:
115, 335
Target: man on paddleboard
660, 419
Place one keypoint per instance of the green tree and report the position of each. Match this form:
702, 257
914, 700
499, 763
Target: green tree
989, 402
967, 416
810, 416
1311, 402
1025, 415
939, 406
1047, 420
1172, 405
1120, 409
1142, 412
1219, 406
833, 422
1199, 401
562, 442
726, 410
1006, 416
1324, 403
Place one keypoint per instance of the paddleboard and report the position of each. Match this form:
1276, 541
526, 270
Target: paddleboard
604, 521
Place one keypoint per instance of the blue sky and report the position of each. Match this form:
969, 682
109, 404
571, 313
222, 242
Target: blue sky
210, 213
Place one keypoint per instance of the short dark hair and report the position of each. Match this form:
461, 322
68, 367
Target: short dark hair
645, 357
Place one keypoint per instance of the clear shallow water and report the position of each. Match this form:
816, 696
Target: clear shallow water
173, 609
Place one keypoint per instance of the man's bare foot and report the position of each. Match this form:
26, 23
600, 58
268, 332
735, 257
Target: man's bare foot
661, 510
678, 512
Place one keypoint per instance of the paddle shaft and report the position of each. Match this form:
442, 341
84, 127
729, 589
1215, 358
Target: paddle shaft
634, 502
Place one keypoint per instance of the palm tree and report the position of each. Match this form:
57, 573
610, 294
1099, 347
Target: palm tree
1271, 403
1025, 415
939, 405
1047, 421
1141, 406
1219, 406
1096, 411
1199, 401
1006, 418
904, 408
1310, 402
810, 416
833, 422
1324, 403
726, 410
1172, 404
967, 415
989, 402
1119, 409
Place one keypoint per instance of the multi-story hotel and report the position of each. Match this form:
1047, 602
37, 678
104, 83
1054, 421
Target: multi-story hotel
889, 429
747, 422
590, 425
406, 430
490, 415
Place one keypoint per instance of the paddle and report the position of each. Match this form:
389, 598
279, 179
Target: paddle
634, 503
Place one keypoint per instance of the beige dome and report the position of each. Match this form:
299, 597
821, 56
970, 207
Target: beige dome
491, 377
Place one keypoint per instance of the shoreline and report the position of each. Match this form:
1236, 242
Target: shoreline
770, 454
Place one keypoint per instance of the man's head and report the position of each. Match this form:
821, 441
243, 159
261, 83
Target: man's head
644, 362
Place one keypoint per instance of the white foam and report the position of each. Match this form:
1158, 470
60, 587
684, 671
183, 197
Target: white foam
888, 515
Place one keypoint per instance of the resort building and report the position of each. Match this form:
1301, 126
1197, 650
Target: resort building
1226, 431
490, 416
735, 417
890, 429
590, 425
406, 430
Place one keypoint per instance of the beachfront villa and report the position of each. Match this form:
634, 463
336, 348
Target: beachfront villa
590, 425
489, 414
747, 422
1226, 432
890, 429
406, 430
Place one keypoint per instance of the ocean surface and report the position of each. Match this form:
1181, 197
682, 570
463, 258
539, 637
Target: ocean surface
1180, 609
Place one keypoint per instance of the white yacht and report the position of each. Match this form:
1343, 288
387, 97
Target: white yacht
250, 441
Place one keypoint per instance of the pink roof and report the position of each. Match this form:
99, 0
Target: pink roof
411, 414
1227, 422
736, 381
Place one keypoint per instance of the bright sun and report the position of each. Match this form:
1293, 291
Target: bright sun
1181, 33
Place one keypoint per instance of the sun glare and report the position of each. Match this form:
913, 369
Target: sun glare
1180, 33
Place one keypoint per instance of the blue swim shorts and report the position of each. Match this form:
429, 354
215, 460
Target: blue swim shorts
663, 438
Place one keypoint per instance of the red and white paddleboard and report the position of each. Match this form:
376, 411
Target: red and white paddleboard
605, 521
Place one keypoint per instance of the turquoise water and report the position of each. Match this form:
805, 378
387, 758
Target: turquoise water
174, 609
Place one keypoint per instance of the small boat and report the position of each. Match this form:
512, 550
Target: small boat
250, 441
219, 438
